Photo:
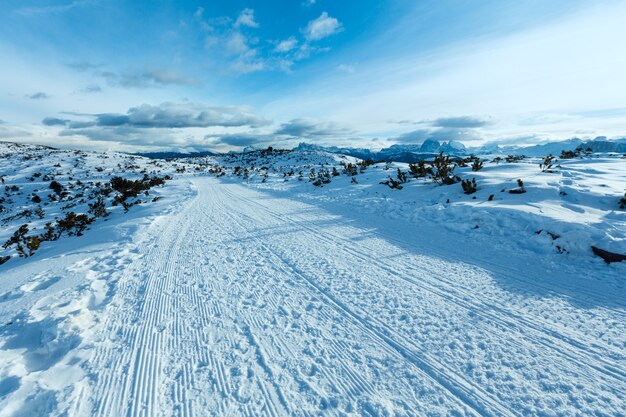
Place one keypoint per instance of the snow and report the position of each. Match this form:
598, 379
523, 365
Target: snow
270, 296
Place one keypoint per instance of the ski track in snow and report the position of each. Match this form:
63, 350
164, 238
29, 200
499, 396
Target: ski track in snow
241, 303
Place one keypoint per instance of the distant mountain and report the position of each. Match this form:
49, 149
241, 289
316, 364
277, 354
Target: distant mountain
600, 144
398, 152
429, 148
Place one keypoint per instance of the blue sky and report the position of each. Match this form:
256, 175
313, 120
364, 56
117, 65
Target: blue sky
191, 75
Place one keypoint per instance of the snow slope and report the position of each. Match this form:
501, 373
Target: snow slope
269, 296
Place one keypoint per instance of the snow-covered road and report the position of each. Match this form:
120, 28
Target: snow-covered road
245, 303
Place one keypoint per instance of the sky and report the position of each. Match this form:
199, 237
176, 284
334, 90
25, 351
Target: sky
144, 76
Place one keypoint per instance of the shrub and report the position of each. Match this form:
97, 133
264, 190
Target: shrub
350, 169
73, 224
546, 166
420, 169
514, 158
17, 237
520, 188
56, 187
402, 177
36, 199
393, 184
132, 188
622, 202
469, 187
444, 170
32, 244
477, 165
98, 208
570, 154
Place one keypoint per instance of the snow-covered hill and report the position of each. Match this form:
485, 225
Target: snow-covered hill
566, 209
306, 282
49, 194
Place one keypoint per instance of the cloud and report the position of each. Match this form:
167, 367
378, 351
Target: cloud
307, 128
321, 28
146, 78
38, 96
54, 121
32, 11
199, 13
246, 18
349, 69
240, 139
459, 122
91, 88
11, 132
308, 2
236, 43
439, 134
286, 45
166, 116
150, 77
83, 66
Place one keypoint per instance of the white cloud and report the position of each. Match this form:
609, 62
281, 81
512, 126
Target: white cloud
236, 43
286, 45
346, 68
321, 27
246, 18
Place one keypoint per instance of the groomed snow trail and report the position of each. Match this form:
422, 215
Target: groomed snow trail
245, 304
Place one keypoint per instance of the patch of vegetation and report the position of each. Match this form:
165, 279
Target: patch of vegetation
402, 177
547, 164
477, 165
469, 187
443, 168
57, 188
420, 170
520, 188
393, 184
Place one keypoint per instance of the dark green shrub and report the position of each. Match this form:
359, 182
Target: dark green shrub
420, 169
469, 187
56, 187
443, 168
